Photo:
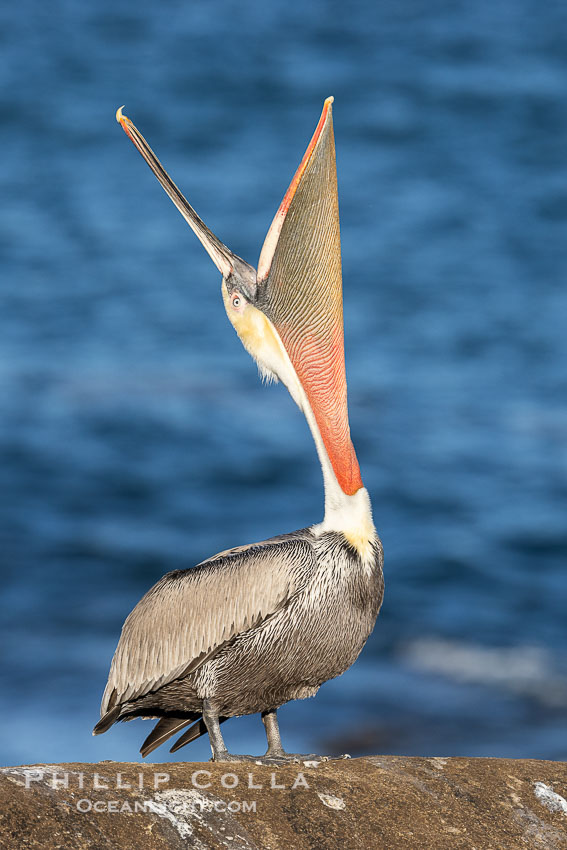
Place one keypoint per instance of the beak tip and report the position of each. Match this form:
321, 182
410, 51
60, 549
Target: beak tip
329, 100
119, 116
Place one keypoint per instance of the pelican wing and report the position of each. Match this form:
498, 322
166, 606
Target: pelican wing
189, 614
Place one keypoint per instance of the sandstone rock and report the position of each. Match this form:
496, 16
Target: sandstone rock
376, 802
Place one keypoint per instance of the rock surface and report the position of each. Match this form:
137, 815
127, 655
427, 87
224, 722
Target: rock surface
377, 802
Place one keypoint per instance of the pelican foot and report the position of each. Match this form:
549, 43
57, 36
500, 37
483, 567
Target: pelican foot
282, 757
226, 756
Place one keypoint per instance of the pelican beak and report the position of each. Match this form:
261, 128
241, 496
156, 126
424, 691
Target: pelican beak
298, 286
228, 263
300, 290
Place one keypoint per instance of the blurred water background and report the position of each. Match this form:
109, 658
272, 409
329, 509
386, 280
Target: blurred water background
135, 435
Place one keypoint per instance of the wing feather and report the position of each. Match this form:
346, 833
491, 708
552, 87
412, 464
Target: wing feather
189, 614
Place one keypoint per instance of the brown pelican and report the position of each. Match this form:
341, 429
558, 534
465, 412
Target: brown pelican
256, 626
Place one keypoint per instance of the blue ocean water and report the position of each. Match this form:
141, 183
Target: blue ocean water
135, 435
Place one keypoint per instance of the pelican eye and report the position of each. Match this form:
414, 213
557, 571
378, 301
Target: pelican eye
236, 300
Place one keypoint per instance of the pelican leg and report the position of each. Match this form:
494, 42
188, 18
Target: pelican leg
218, 746
275, 754
270, 721
216, 739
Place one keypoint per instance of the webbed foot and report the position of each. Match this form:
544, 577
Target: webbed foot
227, 757
277, 757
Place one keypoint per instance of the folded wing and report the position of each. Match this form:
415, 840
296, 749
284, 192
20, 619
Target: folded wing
189, 614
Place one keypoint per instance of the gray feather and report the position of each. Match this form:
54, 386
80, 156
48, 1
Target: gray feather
107, 720
190, 614
164, 729
199, 728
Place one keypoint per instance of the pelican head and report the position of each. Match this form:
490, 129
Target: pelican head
289, 314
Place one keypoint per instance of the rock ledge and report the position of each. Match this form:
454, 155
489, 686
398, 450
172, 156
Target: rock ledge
376, 802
